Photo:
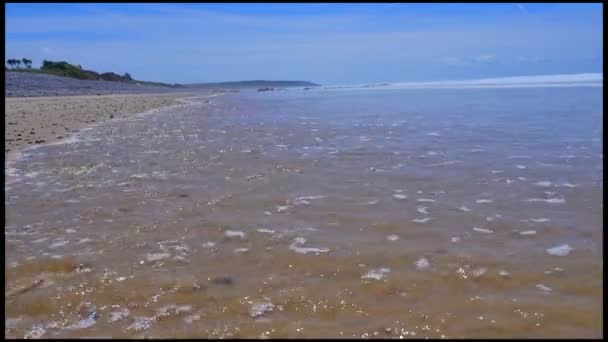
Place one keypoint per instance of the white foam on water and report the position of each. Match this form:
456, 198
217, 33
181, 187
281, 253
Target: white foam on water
265, 230
478, 272
392, 237
483, 200
422, 220
444, 163
425, 200
37, 331
455, 239
376, 274
241, 250
267, 213
503, 273
296, 247
483, 230
560, 250
464, 208
141, 323
400, 196
373, 202
259, 309
543, 288
191, 318
311, 197
522, 179
85, 323
548, 200
422, 263
422, 210
157, 256
435, 134
543, 184
235, 233
569, 185
537, 220
519, 166
118, 315
59, 244
497, 171
282, 208
31, 174
528, 232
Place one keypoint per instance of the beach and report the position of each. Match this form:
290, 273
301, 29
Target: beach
39, 120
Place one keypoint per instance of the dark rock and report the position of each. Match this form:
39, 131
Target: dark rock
224, 280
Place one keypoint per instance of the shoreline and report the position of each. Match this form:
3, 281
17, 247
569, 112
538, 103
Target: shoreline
35, 121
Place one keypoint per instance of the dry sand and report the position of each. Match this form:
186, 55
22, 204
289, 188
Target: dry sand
39, 120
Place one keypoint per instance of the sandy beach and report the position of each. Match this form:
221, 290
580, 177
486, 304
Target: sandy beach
39, 120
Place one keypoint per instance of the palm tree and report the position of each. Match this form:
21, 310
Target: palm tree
10, 62
18, 63
27, 62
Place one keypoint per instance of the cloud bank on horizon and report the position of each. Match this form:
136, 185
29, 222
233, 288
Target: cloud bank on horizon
325, 43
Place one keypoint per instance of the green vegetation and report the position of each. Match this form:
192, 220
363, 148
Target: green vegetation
66, 69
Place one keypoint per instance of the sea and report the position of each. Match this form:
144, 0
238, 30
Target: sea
422, 210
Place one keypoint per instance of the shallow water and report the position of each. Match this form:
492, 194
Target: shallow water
322, 213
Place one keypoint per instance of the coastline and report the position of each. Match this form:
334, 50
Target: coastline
33, 121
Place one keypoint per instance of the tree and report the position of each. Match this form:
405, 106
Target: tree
18, 63
127, 76
27, 62
10, 62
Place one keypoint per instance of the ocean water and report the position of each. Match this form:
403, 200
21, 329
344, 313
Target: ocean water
392, 212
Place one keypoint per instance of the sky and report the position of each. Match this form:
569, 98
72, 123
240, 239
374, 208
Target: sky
325, 43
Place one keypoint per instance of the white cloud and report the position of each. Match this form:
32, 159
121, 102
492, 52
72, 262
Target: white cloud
535, 59
453, 61
484, 59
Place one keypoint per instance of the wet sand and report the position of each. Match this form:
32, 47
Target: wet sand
39, 120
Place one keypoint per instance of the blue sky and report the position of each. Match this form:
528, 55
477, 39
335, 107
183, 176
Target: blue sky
325, 43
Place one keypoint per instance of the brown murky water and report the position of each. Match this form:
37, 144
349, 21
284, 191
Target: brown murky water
460, 213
